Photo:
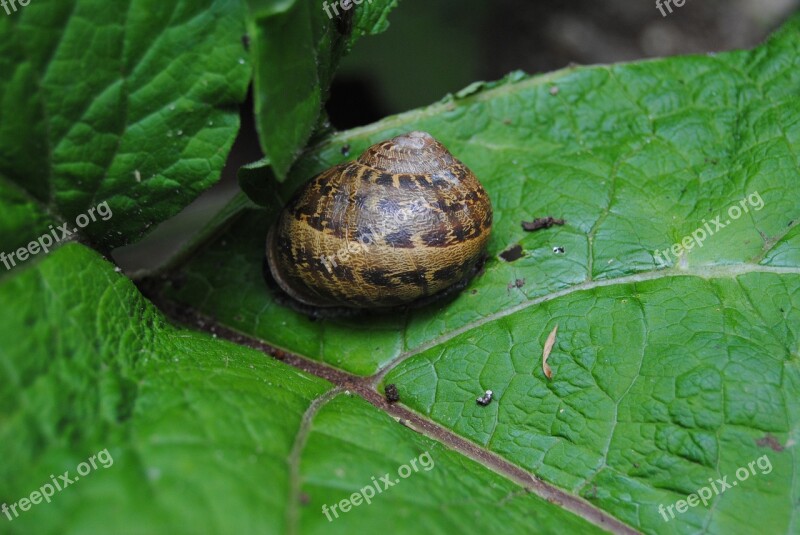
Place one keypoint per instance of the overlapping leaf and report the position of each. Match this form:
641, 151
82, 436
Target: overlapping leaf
132, 105
297, 45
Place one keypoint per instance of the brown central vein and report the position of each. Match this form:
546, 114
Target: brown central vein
363, 387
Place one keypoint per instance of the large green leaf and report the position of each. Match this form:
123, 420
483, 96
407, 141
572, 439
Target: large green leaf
133, 105
667, 372
198, 435
296, 47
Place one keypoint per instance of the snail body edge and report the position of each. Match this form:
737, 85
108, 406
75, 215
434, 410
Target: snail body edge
403, 222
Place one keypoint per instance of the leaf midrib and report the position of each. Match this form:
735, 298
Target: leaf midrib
344, 382
367, 389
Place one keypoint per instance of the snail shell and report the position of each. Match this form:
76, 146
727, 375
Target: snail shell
405, 221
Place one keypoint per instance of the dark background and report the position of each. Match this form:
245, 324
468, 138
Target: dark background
435, 47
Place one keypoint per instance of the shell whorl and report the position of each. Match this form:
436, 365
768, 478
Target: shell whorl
416, 153
404, 221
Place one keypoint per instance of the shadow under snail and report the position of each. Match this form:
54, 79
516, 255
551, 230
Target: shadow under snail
403, 222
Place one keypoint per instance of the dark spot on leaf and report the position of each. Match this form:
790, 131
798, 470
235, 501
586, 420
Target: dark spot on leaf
541, 223
771, 442
519, 283
392, 395
512, 253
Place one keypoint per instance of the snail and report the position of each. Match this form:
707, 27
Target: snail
403, 222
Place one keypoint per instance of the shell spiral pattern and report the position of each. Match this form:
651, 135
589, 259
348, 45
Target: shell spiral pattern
404, 221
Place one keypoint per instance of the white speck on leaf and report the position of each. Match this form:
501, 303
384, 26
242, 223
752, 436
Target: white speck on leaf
485, 399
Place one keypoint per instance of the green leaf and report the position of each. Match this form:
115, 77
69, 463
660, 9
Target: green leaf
296, 47
133, 106
195, 435
448, 494
666, 372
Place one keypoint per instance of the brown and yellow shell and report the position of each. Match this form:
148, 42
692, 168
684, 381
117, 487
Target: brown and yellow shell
405, 221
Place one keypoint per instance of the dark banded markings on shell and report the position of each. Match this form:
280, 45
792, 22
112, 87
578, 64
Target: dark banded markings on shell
404, 221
